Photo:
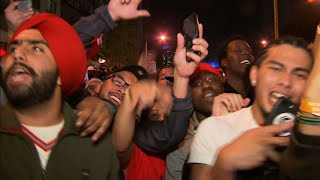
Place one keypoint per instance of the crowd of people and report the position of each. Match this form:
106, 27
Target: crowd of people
189, 122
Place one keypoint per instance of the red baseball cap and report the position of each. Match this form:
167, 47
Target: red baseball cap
205, 67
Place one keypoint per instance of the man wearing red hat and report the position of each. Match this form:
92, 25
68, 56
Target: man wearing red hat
38, 136
208, 99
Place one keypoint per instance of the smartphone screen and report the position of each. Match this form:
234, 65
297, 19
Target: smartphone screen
190, 32
24, 5
284, 110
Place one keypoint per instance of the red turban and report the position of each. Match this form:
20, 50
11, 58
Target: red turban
65, 45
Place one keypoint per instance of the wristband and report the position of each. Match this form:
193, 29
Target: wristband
312, 107
308, 119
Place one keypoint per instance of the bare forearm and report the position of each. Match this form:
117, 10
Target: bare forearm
180, 85
219, 173
313, 86
206, 172
124, 126
312, 90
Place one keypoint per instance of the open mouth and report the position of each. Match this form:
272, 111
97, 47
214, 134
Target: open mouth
276, 95
246, 61
208, 95
116, 99
18, 73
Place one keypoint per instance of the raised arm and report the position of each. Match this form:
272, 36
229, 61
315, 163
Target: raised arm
304, 148
105, 16
15, 17
103, 19
311, 99
158, 137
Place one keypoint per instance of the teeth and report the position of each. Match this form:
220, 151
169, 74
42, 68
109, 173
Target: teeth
278, 95
116, 99
208, 95
20, 71
246, 61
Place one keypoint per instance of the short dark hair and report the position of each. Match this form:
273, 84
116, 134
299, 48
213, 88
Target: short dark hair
222, 51
289, 40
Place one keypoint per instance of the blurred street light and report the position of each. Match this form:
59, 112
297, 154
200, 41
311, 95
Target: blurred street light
163, 37
310, 1
264, 42
163, 40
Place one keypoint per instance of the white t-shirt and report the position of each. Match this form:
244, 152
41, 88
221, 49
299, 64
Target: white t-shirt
215, 132
44, 138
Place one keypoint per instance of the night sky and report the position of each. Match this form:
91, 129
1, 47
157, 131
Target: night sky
223, 18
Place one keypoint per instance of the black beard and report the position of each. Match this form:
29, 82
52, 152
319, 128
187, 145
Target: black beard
24, 96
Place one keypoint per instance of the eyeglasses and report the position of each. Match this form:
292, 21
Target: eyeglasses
118, 80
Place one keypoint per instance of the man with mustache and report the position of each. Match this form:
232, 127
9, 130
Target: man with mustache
228, 147
236, 58
46, 60
94, 115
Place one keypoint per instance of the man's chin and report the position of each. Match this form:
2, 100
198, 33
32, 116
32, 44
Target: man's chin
208, 101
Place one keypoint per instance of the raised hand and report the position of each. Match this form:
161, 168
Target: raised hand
15, 17
182, 67
144, 94
228, 102
93, 117
126, 9
253, 147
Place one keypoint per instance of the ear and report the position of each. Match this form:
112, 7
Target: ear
224, 62
59, 81
94, 86
253, 75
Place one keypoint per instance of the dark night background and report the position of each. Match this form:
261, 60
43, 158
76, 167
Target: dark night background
223, 18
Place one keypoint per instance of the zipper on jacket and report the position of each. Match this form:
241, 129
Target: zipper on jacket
44, 173
85, 174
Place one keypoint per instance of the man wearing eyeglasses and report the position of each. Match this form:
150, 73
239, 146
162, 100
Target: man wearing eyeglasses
114, 85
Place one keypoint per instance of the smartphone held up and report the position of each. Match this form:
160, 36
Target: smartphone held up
190, 32
24, 5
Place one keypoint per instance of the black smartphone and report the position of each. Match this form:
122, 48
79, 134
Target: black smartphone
284, 110
24, 5
190, 32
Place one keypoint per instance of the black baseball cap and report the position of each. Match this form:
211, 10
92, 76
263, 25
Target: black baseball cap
138, 71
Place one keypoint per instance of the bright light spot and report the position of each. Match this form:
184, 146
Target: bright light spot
264, 43
2, 52
310, 1
101, 61
163, 37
